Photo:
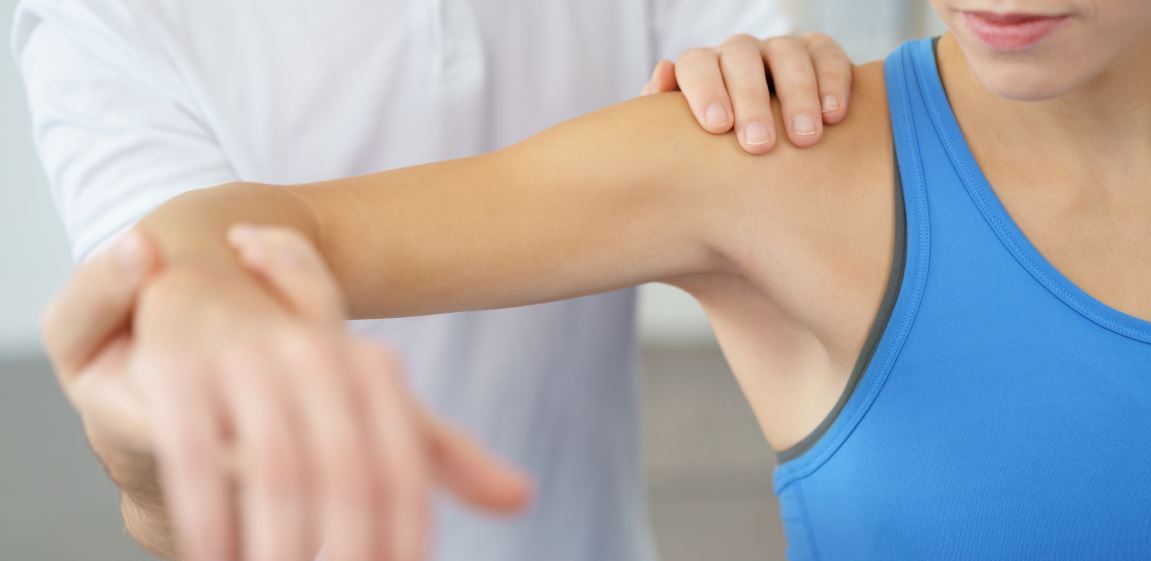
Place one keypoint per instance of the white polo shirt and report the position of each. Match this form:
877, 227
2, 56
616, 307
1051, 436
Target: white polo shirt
135, 101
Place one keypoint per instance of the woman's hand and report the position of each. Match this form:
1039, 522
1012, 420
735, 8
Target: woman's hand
271, 428
728, 87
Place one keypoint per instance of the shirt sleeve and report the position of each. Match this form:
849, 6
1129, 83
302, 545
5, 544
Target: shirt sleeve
682, 24
117, 132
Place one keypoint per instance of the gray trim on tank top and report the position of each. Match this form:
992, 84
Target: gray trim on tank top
877, 328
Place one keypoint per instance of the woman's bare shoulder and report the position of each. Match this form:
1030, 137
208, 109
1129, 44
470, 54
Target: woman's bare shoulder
662, 130
654, 148
657, 136
846, 178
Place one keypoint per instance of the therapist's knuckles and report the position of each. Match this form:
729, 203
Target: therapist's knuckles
698, 74
834, 72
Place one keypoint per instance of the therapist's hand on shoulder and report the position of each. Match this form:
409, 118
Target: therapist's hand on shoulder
729, 87
273, 448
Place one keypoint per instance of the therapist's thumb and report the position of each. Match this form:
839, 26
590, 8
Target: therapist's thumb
292, 269
96, 304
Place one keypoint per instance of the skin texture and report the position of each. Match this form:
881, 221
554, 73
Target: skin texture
287, 431
789, 255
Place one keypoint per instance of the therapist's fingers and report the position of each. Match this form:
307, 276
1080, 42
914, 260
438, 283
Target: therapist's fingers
103, 292
340, 451
275, 495
110, 402
794, 76
191, 456
746, 78
699, 76
662, 79
833, 70
400, 454
290, 265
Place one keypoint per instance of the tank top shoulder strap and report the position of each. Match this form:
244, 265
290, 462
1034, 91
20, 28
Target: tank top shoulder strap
914, 228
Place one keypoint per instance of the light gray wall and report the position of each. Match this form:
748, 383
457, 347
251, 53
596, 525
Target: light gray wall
33, 252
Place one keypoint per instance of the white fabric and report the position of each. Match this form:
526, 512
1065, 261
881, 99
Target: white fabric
136, 101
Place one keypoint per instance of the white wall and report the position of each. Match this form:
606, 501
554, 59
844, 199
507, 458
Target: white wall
33, 252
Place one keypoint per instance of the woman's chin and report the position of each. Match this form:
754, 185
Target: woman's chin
1028, 78
1030, 85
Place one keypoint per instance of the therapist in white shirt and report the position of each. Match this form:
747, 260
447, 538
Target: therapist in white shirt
137, 101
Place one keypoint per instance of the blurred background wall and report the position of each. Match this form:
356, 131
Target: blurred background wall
710, 497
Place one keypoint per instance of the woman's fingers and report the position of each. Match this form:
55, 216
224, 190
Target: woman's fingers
274, 495
103, 292
833, 70
289, 264
186, 419
400, 453
699, 76
794, 76
746, 78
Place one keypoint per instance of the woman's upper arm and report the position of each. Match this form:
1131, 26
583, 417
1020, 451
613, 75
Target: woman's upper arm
620, 197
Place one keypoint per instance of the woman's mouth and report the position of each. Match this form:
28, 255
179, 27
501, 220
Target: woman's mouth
1012, 32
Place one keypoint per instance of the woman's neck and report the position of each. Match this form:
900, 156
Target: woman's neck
1101, 129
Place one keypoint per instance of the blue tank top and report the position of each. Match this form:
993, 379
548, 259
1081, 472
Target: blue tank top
1003, 413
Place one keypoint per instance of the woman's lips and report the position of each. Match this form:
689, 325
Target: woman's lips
1012, 32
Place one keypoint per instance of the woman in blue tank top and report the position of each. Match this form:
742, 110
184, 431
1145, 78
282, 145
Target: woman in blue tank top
978, 389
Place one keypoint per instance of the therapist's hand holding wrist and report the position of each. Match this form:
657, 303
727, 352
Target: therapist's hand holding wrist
245, 425
727, 87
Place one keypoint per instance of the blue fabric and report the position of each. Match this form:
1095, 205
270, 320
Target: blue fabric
1006, 413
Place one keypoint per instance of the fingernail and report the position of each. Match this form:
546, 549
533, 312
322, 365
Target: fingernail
241, 233
757, 133
128, 251
804, 125
716, 115
830, 104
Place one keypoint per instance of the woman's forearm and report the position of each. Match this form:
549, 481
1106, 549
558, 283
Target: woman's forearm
604, 202
190, 231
